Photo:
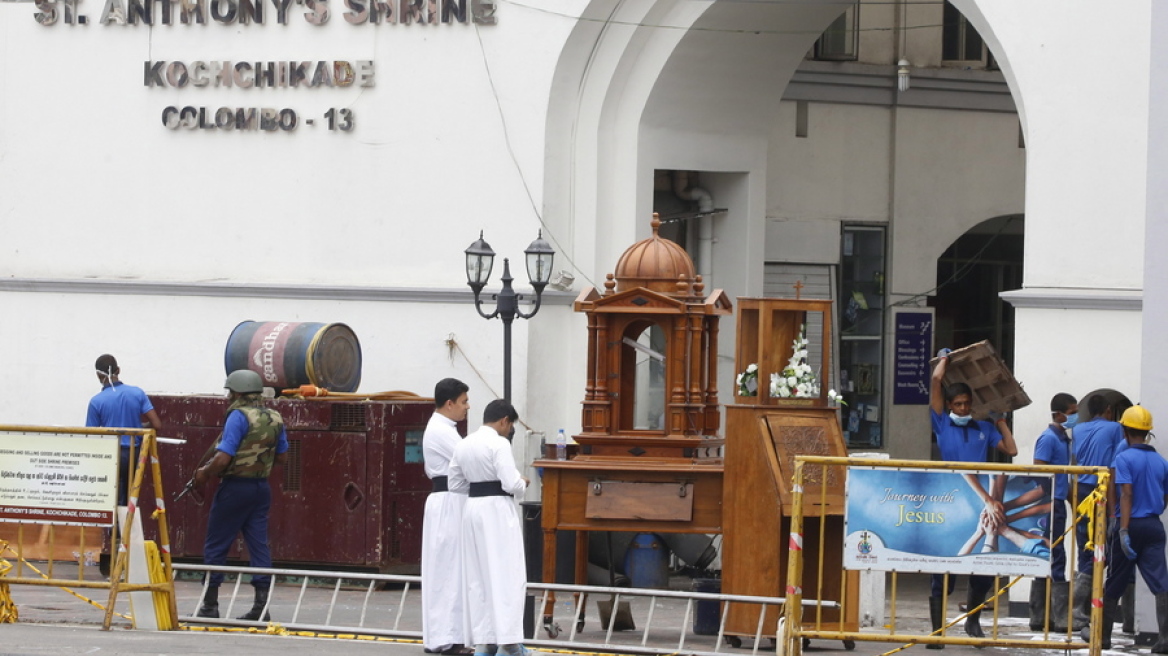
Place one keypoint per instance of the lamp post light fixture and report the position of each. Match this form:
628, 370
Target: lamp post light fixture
480, 259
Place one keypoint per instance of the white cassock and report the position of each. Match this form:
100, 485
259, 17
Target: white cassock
493, 564
443, 624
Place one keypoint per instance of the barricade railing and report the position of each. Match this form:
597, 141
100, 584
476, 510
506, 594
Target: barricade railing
340, 602
55, 480
796, 627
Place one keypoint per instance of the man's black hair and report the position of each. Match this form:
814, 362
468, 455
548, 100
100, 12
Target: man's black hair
957, 389
448, 389
499, 409
1142, 435
1096, 405
107, 364
1061, 402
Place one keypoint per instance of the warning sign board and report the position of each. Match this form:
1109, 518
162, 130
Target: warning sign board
58, 479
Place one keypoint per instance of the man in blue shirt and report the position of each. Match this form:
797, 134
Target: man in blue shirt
119, 405
1095, 444
1054, 448
1141, 476
961, 438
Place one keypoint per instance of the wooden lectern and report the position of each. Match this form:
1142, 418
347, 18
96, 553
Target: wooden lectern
764, 433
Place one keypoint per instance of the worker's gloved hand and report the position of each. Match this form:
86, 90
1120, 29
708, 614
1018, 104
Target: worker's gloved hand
944, 352
1126, 545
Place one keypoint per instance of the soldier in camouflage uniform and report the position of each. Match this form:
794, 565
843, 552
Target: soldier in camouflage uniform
253, 440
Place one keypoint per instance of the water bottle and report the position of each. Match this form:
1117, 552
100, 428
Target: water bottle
561, 445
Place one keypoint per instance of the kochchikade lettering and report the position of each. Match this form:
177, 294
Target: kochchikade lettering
258, 75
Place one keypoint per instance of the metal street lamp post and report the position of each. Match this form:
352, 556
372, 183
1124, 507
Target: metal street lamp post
480, 259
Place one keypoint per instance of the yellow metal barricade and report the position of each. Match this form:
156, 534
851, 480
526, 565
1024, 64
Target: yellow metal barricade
796, 627
161, 583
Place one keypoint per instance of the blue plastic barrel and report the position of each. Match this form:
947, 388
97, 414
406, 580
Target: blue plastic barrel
647, 562
707, 612
288, 354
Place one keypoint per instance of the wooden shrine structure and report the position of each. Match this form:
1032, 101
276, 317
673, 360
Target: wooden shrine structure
649, 458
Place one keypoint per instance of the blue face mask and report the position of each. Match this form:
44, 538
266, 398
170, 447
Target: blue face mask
959, 420
1072, 419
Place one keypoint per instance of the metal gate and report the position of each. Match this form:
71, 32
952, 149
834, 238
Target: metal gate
366, 604
797, 627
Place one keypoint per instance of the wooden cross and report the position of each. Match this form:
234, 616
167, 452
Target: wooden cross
798, 288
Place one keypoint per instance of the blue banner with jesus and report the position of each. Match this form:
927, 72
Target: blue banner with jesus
929, 520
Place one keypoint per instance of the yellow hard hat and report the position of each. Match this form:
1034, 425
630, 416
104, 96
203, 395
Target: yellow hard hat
1137, 417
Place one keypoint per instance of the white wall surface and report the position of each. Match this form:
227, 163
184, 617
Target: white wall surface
1073, 351
448, 142
840, 170
1086, 130
176, 345
1154, 379
97, 187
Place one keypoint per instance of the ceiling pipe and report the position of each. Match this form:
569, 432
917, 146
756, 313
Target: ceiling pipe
682, 190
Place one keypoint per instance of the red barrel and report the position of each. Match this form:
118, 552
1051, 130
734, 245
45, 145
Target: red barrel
287, 354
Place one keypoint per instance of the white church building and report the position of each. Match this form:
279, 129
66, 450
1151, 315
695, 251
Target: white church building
169, 169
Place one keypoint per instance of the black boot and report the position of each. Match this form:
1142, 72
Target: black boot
1161, 646
937, 617
1082, 600
1038, 588
1127, 609
1058, 606
257, 608
210, 607
1110, 610
974, 598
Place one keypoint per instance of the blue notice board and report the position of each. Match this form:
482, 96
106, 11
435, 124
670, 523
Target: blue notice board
914, 344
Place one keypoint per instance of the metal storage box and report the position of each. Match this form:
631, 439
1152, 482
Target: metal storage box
351, 495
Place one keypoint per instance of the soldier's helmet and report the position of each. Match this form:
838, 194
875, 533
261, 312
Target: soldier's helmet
244, 381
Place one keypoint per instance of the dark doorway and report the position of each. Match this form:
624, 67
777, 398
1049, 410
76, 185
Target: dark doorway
971, 273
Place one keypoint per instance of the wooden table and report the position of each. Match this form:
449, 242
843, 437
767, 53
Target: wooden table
606, 493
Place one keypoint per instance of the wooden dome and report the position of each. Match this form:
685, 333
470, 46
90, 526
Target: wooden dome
657, 264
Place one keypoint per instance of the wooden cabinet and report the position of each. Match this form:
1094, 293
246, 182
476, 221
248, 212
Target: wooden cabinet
767, 329
763, 435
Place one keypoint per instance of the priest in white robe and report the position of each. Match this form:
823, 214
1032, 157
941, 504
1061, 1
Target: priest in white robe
492, 537
443, 609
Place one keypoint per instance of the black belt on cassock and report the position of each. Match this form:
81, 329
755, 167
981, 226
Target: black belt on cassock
439, 484
487, 489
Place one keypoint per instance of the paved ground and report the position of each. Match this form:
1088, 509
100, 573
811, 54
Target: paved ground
53, 621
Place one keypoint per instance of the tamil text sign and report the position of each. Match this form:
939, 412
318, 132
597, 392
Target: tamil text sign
928, 520
57, 478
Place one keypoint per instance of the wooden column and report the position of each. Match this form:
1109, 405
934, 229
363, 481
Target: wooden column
713, 417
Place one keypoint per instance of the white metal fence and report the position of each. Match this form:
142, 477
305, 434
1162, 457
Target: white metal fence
338, 602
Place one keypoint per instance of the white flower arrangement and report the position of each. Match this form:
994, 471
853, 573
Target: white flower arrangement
797, 380
748, 381
834, 398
